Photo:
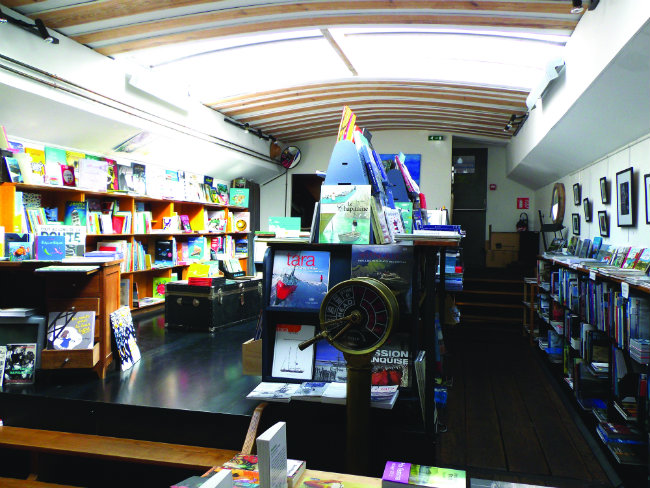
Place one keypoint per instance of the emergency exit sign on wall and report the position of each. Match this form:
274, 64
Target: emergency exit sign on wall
523, 203
436, 138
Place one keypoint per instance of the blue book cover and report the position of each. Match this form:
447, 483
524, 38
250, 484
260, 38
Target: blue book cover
329, 363
75, 213
19, 251
595, 246
300, 278
50, 248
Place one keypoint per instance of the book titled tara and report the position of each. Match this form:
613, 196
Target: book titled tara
300, 278
401, 475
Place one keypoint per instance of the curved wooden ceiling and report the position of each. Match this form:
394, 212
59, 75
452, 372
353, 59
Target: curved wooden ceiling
300, 112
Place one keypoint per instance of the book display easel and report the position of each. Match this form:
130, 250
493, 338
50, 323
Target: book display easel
593, 328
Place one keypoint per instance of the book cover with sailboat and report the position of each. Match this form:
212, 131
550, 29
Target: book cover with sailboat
288, 360
300, 279
344, 214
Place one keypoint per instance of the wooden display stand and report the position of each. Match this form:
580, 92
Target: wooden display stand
53, 196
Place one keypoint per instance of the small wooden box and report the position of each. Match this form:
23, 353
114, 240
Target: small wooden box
73, 358
251, 352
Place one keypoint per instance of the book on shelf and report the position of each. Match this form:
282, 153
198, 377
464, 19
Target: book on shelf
390, 363
300, 278
310, 391
71, 330
274, 392
139, 178
223, 478
124, 335
20, 364
392, 265
93, 174
288, 360
345, 214
125, 290
619, 433
239, 197
165, 252
197, 248
241, 221
49, 248
402, 475
75, 213
159, 284
68, 176
329, 363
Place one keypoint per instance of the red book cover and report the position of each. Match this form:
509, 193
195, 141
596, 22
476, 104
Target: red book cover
118, 224
67, 175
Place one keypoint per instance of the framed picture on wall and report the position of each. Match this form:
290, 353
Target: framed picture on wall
624, 198
604, 194
576, 223
603, 223
576, 194
587, 209
646, 179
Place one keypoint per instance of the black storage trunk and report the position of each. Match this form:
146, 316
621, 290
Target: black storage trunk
208, 308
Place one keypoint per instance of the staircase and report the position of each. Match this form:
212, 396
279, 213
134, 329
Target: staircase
491, 297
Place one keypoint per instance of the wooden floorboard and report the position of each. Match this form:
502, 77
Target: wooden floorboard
505, 419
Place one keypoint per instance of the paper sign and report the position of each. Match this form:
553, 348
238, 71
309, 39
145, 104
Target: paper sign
625, 290
592, 275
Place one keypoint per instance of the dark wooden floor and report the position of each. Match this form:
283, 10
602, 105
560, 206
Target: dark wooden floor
504, 417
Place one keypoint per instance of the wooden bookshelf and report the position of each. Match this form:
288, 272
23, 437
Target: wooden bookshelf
53, 196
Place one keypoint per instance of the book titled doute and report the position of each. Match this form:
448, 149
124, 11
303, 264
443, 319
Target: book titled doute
402, 475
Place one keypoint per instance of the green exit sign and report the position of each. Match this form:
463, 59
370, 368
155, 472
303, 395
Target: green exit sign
436, 138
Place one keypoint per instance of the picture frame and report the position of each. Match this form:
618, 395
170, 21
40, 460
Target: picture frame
625, 198
586, 206
575, 219
604, 194
603, 223
576, 194
646, 179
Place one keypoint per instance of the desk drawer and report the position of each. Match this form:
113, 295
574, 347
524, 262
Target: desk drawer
74, 358
62, 285
76, 305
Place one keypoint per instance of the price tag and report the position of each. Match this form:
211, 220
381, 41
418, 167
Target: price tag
625, 290
592, 275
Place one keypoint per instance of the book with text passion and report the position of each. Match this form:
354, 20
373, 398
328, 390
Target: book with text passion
289, 361
392, 265
390, 363
71, 330
345, 214
300, 278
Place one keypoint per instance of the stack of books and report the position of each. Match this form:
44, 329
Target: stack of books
640, 350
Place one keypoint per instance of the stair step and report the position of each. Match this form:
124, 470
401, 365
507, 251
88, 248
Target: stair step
488, 318
489, 292
496, 305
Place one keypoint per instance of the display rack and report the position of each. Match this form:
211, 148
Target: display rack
196, 211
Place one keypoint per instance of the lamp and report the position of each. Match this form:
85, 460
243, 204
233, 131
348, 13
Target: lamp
515, 120
577, 7
249, 130
37, 28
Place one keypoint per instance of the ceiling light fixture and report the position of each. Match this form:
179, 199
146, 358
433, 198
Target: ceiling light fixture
249, 130
577, 7
515, 121
37, 28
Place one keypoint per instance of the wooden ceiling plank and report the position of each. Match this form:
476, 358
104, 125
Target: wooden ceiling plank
333, 91
296, 23
403, 96
363, 84
75, 15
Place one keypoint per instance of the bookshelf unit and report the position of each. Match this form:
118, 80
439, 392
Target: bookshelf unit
53, 196
592, 315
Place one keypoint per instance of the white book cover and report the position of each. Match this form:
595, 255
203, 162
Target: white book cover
221, 479
93, 174
335, 393
310, 391
272, 456
288, 360
275, 392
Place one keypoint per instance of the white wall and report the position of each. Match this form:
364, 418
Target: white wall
636, 155
187, 134
502, 211
435, 170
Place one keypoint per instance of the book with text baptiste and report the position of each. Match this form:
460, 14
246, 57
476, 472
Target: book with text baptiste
392, 265
300, 278
71, 330
288, 360
390, 363
345, 214
401, 475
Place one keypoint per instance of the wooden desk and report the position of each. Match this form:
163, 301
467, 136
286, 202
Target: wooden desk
99, 291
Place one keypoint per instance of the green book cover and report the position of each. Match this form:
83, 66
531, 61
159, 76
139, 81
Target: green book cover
159, 283
406, 208
239, 197
345, 214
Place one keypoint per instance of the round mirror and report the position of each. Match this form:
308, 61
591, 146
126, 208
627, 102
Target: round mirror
557, 204
290, 157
